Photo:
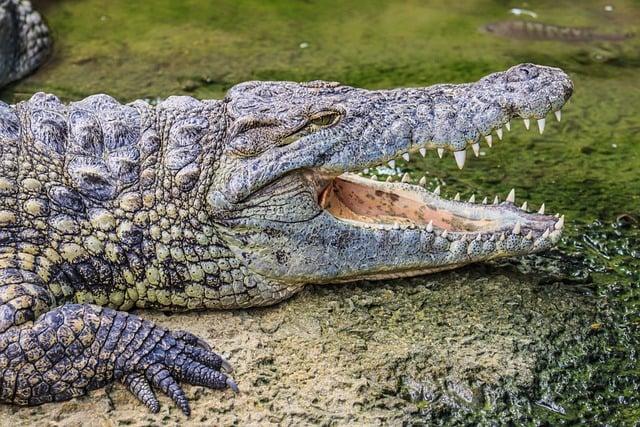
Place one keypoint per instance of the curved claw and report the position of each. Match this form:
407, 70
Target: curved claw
232, 385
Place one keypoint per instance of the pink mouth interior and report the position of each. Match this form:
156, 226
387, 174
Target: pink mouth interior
356, 201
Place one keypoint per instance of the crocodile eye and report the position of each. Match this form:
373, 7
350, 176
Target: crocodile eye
324, 119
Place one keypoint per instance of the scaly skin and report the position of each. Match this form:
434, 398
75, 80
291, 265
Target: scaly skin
222, 204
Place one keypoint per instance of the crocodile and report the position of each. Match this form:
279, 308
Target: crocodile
218, 204
25, 42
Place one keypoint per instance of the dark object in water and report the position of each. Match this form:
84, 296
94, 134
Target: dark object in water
626, 220
530, 30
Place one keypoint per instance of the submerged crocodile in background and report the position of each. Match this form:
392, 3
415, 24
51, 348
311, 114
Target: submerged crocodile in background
24, 40
228, 203
539, 31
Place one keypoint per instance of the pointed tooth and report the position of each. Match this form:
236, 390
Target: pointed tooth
437, 191
558, 115
489, 140
545, 234
499, 133
476, 149
529, 236
440, 152
374, 177
423, 151
508, 126
423, 181
502, 237
496, 200
457, 197
557, 215
406, 157
524, 206
479, 237
460, 157
472, 199
516, 229
541, 210
445, 233
512, 196
492, 238
430, 226
365, 170
406, 177
485, 201
541, 123
560, 223
527, 123
392, 164
389, 179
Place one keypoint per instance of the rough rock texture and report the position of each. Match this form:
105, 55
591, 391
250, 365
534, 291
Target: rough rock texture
368, 353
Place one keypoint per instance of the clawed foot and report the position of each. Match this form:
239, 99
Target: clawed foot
176, 356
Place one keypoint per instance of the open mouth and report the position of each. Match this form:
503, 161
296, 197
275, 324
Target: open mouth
370, 203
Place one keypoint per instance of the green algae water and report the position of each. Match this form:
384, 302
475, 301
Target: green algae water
586, 167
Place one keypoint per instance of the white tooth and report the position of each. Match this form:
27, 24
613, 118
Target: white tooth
524, 206
545, 234
392, 164
365, 170
489, 140
406, 157
440, 152
423, 151
460, 158
445, 233
479, 237
374, 177
485, 201
541, 123
389, 179
457, 197
406, 178
472, 199
496, 200
558, 115
541, 211
437, 191
502, 237
430, 226
499, 133
516, 229
529, 236
508, 126
476, 149
557, 215
527, 123
423, 181
492, 238
560, 223
512, 196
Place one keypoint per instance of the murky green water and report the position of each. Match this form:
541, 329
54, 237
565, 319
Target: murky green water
587, 166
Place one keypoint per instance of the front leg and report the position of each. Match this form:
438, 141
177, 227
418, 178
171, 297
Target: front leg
80, 347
